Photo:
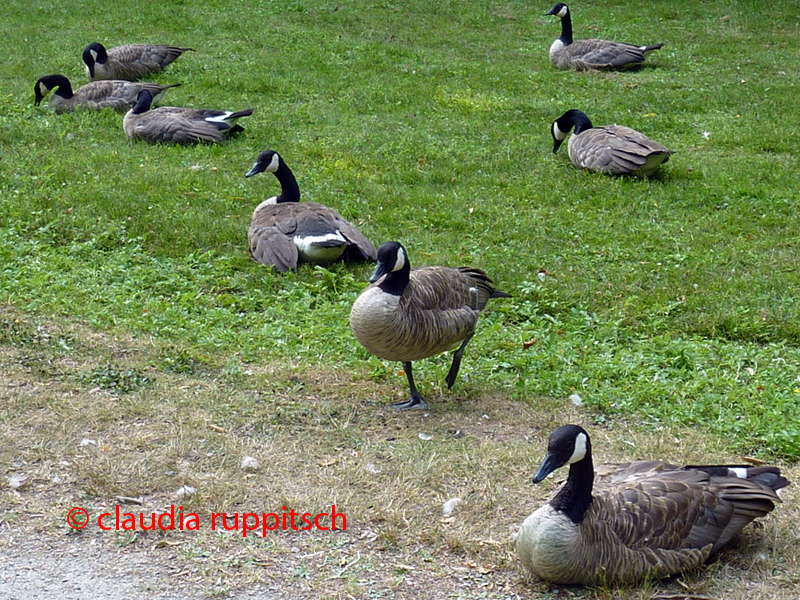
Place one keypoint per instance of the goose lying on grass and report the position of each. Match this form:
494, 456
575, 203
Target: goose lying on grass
177, 125
130, 62
639, 520
285, 232
591, 54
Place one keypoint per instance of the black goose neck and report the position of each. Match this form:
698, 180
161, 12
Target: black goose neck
566, 29
89, 60
143, 103
580, 121
395, 282
100, 50
64, 87
290, 191
575, 496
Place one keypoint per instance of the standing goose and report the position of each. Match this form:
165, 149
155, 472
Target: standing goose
586, 55
130, 62
119, 95
635, 521
177, 125
285, 232
614, 149
407, 315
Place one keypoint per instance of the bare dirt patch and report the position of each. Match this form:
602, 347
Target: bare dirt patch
72, 435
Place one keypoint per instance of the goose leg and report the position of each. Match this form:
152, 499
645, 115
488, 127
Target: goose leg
451, 374
416, 401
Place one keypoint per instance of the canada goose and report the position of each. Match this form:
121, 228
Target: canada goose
130, 62
172, 124
116, 94
614, 149
645, 519
585, 55
285, 232
409, 315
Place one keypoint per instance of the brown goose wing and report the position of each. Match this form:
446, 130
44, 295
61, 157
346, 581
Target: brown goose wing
104, 94
661, 506
118, 94
614, 149
743, 499
159, 55
657, 512
271, 236
436, 306
134, 61
156, 126
442, 295
360, 247
602, 54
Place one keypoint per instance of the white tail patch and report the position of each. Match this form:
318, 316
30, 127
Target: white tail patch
223, 118
318, 248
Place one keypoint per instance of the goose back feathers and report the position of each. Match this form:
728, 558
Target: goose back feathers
591, 54
285, 232
96, 95
614, 149
407, 315
178, 125
130, 62
639, 520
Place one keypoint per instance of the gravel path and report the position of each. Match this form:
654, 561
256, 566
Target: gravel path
32, 569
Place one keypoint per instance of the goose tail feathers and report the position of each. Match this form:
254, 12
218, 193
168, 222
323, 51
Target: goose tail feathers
650, 48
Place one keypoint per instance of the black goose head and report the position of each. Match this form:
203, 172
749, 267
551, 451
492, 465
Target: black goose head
568, 444
50, 82
94, 53
393, 263
268, 161
143, 102
559, 10
562, 126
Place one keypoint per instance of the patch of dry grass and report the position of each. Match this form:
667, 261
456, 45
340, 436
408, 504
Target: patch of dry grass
321, 438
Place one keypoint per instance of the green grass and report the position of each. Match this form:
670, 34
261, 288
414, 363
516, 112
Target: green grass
673, 301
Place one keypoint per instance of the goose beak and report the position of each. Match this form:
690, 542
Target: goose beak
548, 466
552, 11
380, 271
254, 171
557, 145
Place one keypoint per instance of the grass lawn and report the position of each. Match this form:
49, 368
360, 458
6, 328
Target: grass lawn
132, 317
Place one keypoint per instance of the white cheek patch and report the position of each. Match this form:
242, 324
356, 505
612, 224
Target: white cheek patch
740, 472
563, 12
401, 260
580, 449
557, 133
274, 163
